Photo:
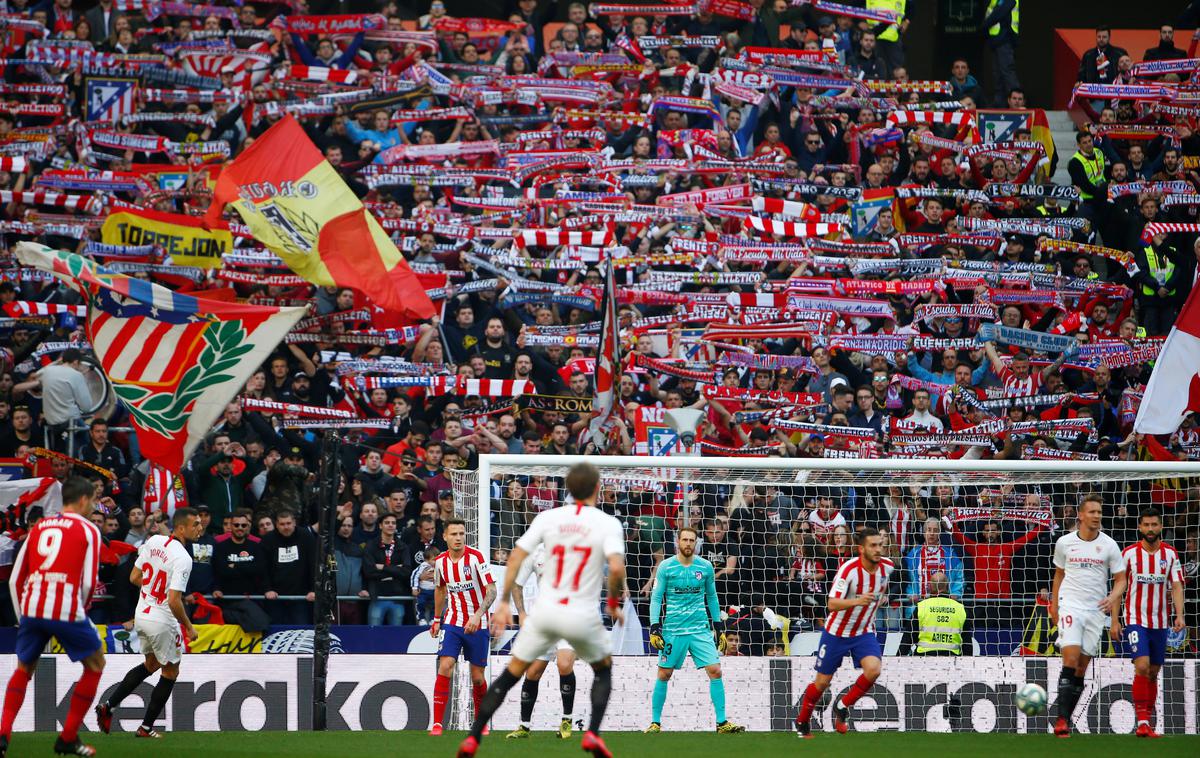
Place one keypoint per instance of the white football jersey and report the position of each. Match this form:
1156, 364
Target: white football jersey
578, 541
1087, 566
166, 565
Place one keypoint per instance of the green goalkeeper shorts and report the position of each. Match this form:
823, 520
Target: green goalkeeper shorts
675, 651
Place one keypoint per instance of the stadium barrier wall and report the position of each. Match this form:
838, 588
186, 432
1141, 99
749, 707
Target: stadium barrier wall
240, 693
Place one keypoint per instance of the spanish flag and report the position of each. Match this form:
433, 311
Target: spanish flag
297, 205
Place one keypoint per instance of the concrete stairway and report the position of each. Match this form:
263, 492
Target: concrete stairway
1063, 129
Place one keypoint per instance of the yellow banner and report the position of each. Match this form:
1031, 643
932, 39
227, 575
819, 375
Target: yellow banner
213, 638
181, 237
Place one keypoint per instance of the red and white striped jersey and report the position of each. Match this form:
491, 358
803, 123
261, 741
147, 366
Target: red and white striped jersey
466, 581
852, 580
822, 527
901, 526
1014, 387
1148, 593
54, 575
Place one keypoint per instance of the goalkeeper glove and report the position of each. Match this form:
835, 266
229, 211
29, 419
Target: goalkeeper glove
656, 637
719, 636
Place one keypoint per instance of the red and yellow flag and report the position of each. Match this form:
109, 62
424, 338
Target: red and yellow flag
297, 205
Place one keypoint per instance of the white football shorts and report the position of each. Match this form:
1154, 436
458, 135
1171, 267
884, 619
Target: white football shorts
1081, 628
544, 633
164, 641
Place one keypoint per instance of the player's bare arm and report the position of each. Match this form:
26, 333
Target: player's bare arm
518, 601
1112, 601
489, 597
439, 609
502, 616
175, 601
135, 577
1177, 598
846, 603
1058, 578
1114, 614
616, 584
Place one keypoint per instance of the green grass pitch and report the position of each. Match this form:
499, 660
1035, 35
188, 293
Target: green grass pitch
666, 745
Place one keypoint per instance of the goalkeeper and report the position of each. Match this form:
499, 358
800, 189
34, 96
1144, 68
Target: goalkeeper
691, 621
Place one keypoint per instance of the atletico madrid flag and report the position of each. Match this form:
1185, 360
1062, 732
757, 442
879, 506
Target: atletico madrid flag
1174, 387
174, 360
297, 205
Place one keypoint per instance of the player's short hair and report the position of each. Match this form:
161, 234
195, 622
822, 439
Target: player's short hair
1150, 511
1091, 497
285, 513
182, 515
75, 489
453, 522
862, 535
682, 529
583, 480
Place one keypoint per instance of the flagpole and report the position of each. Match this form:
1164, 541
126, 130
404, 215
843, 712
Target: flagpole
326, 595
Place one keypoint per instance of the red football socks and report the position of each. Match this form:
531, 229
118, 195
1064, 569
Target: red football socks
858, 690
14, 696
808, 703
477, 693
1141, 698
441, 696
81, 701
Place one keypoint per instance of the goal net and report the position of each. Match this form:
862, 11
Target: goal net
776, 531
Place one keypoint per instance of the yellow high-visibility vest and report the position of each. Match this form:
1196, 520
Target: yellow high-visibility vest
892, 33
1093, 167
1015, 23
940, 623
1160, 269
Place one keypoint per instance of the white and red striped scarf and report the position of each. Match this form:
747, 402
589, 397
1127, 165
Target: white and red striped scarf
1157, 227
461, 385
790, 208
323, 74
790, 229
41, 197
555, 237
911, 118
18, 308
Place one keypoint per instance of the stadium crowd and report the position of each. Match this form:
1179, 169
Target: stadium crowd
820, 253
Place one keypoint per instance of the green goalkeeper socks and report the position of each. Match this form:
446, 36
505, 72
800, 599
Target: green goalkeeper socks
716, 691
660, 699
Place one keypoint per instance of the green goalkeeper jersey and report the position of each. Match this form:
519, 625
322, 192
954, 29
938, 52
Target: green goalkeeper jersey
691, 595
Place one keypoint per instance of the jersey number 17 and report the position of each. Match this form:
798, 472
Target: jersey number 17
560, 552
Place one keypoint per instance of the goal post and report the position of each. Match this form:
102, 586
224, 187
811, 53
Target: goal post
776, 530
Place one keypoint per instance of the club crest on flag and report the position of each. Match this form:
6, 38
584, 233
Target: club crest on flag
108, 98
1002, 126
